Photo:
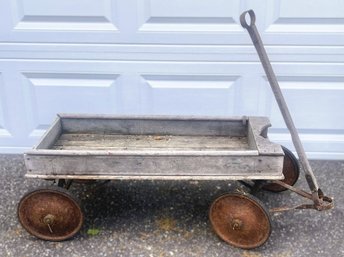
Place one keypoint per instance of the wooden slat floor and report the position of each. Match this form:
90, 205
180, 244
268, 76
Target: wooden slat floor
79, 141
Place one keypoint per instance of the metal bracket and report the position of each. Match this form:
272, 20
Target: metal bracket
324, 203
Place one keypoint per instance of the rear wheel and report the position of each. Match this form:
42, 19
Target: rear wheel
291, 172
50, 214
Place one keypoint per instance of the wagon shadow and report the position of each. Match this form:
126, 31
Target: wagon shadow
146, 205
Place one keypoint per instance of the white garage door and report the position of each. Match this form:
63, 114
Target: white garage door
171, 57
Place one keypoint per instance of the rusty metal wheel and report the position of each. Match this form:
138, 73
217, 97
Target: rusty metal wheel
291, 172
50, 214
240, 220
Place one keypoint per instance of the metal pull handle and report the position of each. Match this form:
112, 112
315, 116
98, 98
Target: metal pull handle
258, 44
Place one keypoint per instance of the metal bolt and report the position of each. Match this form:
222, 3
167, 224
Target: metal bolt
236, 224
49, 220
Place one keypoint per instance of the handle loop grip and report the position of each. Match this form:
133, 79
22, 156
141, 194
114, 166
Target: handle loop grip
252, 19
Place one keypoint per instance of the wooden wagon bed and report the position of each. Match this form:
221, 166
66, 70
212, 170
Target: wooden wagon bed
156, 147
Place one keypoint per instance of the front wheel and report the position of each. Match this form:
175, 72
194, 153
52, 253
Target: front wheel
240, 220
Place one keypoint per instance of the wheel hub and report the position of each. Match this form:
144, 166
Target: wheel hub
236, 224
49, 219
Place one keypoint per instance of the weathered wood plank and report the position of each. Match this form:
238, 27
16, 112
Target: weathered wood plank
164, 177
155, 165
80, 141
257, 137
148, 149
155, 125
51, 135
150, 152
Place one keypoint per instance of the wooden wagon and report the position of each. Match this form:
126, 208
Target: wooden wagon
95, 147
84, 147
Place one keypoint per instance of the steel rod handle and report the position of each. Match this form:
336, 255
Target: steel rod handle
258, 44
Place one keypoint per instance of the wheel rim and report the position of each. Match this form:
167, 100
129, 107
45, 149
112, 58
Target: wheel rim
291, 172
50, 214
240, 220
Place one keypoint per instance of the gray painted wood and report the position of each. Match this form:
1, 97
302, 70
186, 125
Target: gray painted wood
157, 147
257, 134
154, 125
51, 135
144, 152
159, 177
155, 165
81, 141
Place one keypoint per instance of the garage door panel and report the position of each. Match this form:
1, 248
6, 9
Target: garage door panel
318, 146
308, 9
63, 15
63, 8
189, 95
2, 97
7, 137
312, 18
313, 101
192, 15
330, 144
59, 21
4, 131
49, 93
